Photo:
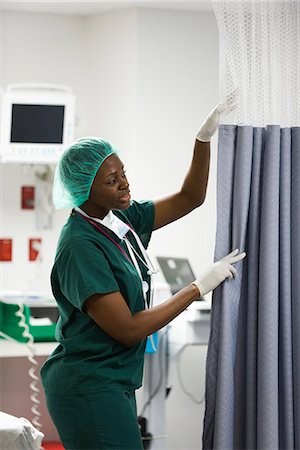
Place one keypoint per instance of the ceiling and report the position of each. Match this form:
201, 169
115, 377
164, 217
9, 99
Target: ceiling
76, 7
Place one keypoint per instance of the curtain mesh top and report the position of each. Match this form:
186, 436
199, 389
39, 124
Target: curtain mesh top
260, 53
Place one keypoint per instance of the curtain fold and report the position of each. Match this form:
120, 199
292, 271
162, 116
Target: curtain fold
253, 364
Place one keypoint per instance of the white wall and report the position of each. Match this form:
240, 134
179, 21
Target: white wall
154, 79
177, 87
48, 49
111, 49
145, 79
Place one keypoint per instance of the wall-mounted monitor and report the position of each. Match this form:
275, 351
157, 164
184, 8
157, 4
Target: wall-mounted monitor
37, 123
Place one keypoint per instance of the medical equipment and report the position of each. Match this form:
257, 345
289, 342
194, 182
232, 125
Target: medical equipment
177, 272
39, 315
29, 320
37, 122
22, 324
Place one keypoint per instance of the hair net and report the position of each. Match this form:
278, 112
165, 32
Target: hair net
76, 170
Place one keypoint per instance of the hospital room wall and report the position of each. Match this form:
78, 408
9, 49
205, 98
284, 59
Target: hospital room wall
144, 79
151, 101
36, 48
178, 86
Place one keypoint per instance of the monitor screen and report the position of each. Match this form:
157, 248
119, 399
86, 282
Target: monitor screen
177, 272
37, 124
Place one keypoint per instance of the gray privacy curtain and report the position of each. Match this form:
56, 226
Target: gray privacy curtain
253, 361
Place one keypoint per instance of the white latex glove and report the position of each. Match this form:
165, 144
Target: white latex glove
211, 123
219, 272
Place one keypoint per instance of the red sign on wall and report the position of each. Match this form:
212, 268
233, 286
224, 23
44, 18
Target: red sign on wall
34, 248
5, 249
27, 197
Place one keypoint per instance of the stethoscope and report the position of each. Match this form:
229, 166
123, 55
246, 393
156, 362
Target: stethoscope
120, 229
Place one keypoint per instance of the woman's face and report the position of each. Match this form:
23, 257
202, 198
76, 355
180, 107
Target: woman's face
110, 189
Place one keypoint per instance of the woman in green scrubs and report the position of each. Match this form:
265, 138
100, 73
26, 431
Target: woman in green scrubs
101, 282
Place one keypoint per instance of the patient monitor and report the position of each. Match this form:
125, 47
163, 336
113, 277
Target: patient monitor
37, 122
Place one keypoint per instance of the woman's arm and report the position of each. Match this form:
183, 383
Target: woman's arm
192, 193
111, 312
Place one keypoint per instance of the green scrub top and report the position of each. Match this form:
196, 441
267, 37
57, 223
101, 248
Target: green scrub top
88, 262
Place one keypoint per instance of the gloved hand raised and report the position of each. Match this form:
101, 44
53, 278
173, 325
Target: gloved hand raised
211, 123
220, 271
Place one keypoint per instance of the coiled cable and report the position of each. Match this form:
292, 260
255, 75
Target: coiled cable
31, 357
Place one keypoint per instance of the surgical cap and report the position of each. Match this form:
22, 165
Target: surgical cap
76, 170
